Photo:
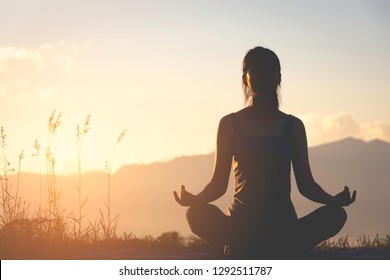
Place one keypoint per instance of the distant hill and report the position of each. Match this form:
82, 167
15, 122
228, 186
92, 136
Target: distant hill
142, 194
363, 166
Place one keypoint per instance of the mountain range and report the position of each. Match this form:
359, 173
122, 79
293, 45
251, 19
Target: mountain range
142, 194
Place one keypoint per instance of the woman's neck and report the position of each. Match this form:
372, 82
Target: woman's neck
262, 107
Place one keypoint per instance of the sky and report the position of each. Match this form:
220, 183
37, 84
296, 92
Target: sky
168, 71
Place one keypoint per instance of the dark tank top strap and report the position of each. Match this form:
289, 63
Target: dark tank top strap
287, 134
237, 138
288, 127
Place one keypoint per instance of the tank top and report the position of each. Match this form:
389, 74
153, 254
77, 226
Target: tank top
262, 167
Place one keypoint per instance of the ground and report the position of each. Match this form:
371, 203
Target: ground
150, 254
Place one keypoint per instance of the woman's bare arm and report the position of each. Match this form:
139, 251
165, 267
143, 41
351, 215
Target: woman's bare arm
307, 186
222, 166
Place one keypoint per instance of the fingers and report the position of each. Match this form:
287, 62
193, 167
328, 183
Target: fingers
177, 198
353, 196
183, 199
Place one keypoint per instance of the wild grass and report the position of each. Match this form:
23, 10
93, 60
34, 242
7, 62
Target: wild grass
106, 222
12, 205
365, 241
51, 225
54, 193
81, 131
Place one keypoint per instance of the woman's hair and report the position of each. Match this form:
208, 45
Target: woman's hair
263, 67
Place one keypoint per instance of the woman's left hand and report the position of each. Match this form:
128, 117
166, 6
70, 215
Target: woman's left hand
186, 198
344, 198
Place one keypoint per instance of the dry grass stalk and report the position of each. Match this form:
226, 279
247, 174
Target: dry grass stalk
107, 223
37, 148
13, 207
54, 213
80, 133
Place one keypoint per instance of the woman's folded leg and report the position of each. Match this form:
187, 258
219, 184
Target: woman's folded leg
316, 227
209, 223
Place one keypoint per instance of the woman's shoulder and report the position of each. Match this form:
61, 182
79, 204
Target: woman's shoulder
297, 127
226, 123
230, 119
226, 119
295, 121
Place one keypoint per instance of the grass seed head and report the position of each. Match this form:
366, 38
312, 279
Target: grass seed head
37, 147
57, 123
86, 127
53, 125
123, 133
3, 135
50, 124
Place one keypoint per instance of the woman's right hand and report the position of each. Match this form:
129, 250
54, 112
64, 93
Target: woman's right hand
344, 198
186, 198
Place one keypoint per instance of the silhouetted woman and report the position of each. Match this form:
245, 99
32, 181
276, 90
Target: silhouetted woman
262, 142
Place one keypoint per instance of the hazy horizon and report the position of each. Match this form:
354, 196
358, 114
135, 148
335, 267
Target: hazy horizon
142, 194
161, 161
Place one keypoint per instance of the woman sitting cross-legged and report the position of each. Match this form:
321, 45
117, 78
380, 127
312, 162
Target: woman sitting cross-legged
261, 142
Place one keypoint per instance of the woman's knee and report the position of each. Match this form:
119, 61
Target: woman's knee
202, 211
338, 215
205, 215
196, 214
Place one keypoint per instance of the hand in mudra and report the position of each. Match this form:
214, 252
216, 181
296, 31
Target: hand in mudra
344, 198
186, 198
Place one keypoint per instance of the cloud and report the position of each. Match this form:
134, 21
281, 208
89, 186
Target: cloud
59, 54
324, 129
10, 54
27, 73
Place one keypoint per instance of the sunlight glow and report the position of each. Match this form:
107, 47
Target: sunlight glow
171, 78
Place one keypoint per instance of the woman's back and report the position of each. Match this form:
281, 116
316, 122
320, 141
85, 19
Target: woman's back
262, 160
